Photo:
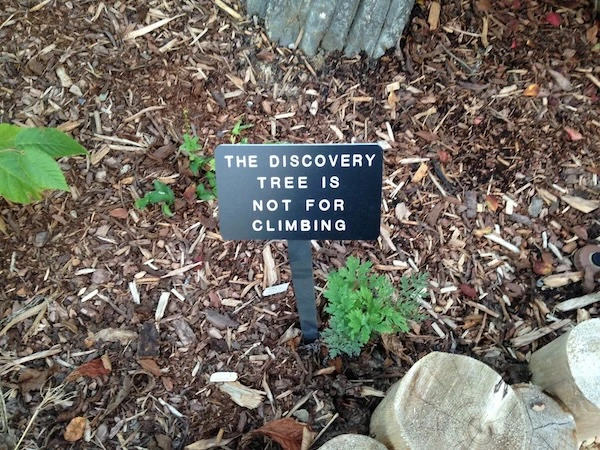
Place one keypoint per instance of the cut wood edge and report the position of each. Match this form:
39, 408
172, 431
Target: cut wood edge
446, 399
569, 369
552, 423
352, 442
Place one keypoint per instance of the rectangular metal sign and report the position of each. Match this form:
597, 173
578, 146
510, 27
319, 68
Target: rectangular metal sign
299, 191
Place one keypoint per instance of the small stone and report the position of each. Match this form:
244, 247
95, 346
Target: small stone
76, 90
535, 207
41, 239
302, 415
100, 176
184, 332
100, 276
580, 232
518, 218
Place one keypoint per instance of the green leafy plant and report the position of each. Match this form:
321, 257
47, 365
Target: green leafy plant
236, 132
361, 304
210, 192
27, 161
191, 148
162, 194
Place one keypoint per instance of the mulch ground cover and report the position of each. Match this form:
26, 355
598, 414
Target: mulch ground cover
490, 122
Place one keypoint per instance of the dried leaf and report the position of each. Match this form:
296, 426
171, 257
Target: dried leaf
119, 213
444, 157
75, 429
32, 380
553, 19
468, 291
561, 80
286, 432
492, 202
542, 268
151, 366
573, 134
532, 90
483, 6
266, 55
93, 369
592, 34
427, 136
420, 173
190, 194
393, 344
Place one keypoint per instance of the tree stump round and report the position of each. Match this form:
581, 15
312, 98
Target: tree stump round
352, 442
569, 369
452, 401
553, 426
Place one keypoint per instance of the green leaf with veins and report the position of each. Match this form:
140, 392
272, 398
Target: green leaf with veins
25, 175
49, 140
161, 194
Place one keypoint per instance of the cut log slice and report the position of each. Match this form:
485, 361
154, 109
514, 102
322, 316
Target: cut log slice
451, 401
569, 369
352, 442
553, 426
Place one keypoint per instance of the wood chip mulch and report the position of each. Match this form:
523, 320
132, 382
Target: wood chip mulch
490, 121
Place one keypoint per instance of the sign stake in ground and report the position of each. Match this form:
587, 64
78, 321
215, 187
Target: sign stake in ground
299, 192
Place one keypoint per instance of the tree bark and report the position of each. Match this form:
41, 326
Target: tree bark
372, 26
569, 369
453, 401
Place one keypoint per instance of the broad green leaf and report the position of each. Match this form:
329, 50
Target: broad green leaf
24, 175
53, 142
7, 135
161, 194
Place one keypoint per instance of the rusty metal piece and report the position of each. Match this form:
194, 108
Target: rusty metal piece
587, 259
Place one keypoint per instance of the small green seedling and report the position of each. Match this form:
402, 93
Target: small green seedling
27, 161
198, 162
236, 132
210, 192
361, 305
162, 194
190, 148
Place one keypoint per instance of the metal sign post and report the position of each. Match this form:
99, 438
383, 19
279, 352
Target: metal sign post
299, 192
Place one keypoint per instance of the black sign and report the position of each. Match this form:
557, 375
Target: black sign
299, 191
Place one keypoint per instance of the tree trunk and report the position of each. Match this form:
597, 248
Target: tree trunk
453, 401
372, 26
569, 368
